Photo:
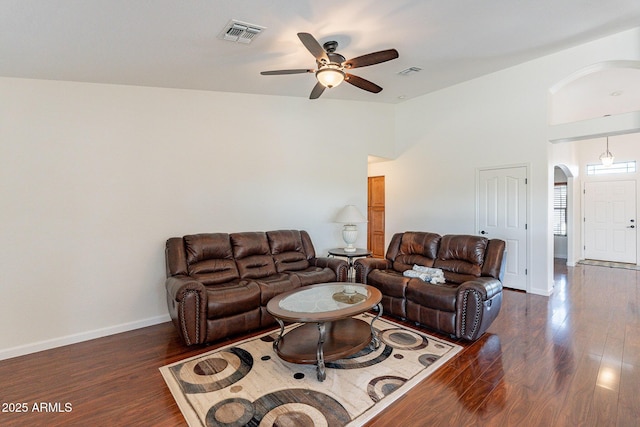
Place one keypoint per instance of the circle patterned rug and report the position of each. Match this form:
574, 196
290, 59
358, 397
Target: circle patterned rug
246, 383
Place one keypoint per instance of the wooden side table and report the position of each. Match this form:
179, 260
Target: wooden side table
351, 256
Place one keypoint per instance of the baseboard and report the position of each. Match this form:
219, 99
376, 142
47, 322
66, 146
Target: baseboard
80, 337
543, 292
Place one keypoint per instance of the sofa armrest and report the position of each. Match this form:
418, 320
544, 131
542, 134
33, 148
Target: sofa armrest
487, 287
339, 266
477, 305
187, 302
364, 266
179, 286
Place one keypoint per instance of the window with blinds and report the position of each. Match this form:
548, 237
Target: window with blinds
560, 210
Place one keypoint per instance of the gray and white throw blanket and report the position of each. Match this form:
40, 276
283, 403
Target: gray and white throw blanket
434, 276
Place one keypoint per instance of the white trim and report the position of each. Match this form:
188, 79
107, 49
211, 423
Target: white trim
542, 292
80, 337
599, 127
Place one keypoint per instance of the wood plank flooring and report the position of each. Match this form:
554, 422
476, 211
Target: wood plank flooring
572, 359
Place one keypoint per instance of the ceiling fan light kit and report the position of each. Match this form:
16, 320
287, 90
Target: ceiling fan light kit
332, 65
330, 76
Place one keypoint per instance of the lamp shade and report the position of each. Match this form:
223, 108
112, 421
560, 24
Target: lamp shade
607, 158
350, 215
330, 77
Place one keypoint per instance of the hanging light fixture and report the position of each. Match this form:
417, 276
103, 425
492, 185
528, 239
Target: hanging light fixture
607, 157
330, 76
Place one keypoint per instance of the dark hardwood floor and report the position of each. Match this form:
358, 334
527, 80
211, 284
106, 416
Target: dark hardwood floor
569, 360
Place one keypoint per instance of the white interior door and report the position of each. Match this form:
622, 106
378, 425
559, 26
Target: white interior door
610, 221
502, 214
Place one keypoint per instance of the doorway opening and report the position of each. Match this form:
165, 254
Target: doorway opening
562, 212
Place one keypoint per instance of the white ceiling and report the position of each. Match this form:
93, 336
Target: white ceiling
176, 44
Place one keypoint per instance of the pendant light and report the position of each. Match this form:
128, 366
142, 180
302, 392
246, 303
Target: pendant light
607, 157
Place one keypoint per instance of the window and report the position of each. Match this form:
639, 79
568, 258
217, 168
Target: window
560, 210
619, 167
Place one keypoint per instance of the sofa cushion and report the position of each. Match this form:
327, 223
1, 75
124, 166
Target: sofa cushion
461, 257
492, 265
232, 298
313, 275
438, 297
252, 254
276, 284
287, 250
389, 282
210, 258
419, 248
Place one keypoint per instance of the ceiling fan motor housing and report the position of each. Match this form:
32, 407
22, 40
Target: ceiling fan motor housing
335, 58
330, 46
331, 73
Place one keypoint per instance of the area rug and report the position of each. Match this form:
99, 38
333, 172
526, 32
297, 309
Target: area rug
246, 383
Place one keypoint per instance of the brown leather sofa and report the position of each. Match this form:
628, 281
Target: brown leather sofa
218, 284
464, 306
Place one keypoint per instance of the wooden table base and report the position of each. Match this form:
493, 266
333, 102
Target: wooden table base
317, 343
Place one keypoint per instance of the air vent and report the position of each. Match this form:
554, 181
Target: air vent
410, 70
240, 32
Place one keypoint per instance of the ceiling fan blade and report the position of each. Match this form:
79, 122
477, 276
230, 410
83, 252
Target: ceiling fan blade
371, 58
317, 91
313, 46
362, 83
279, 72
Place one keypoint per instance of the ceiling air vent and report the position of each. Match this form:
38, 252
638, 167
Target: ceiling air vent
240, 32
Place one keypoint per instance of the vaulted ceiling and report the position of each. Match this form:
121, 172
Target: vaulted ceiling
178, 44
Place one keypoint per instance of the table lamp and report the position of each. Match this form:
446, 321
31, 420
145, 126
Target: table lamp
350, 216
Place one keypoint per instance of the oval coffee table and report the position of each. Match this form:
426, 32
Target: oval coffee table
328, 331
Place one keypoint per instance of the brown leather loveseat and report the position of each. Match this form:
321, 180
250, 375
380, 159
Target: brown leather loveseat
464, 306
218, 284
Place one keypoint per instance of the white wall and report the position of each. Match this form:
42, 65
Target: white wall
499, 119
94, 179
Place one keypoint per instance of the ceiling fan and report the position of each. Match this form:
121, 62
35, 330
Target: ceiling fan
331, 66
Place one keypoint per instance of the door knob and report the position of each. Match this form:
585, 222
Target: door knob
631, 226
483, 232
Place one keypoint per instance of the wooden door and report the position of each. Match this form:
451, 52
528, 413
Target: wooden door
502, 214
610, 221
375, 213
